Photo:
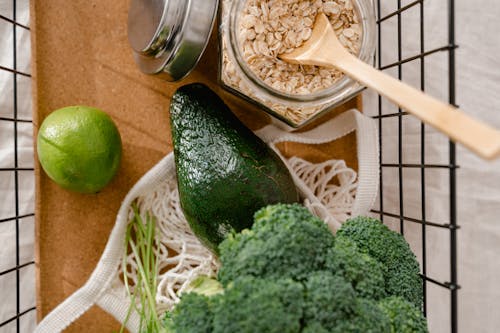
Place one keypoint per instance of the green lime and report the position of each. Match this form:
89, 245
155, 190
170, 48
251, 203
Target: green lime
79, 148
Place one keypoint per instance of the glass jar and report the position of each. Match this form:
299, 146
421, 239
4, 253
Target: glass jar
168, 38
293, 109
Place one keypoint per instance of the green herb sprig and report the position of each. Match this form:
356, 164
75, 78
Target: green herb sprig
141, 241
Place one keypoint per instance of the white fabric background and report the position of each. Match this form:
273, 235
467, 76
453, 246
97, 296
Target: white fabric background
478, 90
25, 178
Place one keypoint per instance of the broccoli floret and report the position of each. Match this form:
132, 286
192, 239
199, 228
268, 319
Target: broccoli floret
168, 325
404, 317
193, 314
314, 328
391, 249
285, 241
368, 318
252, 305
332, 306
329, 300
364, 273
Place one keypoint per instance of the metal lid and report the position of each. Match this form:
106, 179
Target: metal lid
169, 36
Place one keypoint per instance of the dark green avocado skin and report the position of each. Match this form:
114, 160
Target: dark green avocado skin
225, 173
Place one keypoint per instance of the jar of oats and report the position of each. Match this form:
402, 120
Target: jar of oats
169, 36
254, 32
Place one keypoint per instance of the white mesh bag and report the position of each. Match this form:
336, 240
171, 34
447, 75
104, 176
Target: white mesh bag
351, 194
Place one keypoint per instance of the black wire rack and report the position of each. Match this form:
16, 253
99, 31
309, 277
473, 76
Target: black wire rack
18, 172
14, 322
423, 166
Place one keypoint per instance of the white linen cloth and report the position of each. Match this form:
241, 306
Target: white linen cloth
478, 193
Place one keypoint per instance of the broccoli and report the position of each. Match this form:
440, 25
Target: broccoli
329, 300
391, 249
290, 274
167, 323
194, 312
404, 317
364, 273
368, 318
252, 305
314, 328
331, 305
285, 241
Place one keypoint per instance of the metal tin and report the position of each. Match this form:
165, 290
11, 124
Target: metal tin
169, 36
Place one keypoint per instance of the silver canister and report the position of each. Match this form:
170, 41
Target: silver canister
168, 37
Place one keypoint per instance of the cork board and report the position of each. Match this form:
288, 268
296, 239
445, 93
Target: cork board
81, 56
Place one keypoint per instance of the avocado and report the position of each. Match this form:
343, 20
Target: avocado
225, 173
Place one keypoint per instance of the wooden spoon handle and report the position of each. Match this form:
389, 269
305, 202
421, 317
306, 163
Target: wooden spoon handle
476, 136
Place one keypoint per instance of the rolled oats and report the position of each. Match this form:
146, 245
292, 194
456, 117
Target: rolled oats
268, 28
280, 26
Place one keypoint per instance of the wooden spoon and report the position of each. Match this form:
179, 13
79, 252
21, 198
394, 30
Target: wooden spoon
324, 49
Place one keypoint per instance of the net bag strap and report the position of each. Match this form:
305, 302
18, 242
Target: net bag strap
96, 289
367, 153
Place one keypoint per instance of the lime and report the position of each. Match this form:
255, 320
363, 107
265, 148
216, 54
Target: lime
79, 148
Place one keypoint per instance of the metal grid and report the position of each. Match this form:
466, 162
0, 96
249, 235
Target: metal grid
451, 167
18, 172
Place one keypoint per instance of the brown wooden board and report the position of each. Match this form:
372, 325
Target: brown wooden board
81, 56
